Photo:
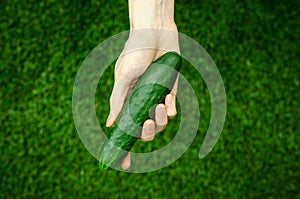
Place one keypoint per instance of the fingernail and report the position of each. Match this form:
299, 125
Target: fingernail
126, 162
108, 121
149, 129
160, 111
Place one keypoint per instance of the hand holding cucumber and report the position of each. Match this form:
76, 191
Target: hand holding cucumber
125, 79
131, 65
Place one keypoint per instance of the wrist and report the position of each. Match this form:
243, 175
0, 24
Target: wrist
151, 14
153, 22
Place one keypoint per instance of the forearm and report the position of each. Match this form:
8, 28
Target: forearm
151, 14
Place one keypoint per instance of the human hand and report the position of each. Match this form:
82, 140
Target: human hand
132, 63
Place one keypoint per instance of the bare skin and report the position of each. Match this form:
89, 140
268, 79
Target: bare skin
131, 64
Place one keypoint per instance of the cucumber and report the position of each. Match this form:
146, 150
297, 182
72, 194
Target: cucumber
147, 93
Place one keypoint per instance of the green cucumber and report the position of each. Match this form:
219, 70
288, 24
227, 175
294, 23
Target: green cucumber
150, 90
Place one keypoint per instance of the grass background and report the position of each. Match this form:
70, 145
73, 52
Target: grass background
255, 45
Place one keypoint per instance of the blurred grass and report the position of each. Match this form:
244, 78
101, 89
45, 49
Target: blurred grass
255, 45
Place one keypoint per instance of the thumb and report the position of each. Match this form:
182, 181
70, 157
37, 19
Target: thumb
117, 100
122, 87
129, 68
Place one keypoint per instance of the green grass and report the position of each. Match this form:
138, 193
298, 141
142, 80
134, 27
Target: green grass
255, 45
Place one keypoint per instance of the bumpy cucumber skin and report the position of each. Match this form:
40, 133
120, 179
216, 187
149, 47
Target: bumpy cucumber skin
137, 107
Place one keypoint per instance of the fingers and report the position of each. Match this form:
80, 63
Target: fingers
148, 134
161, 118
150, 127
171, 105
148, 131
161, 121
170, 101
125, 164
